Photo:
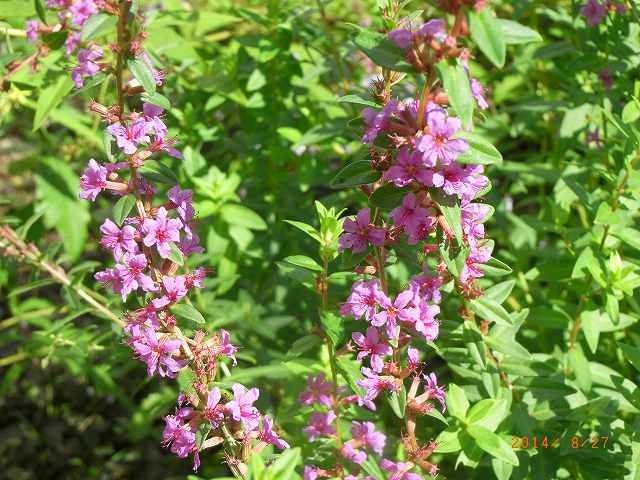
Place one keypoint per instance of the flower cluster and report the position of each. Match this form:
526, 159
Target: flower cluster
595, 11
150, 242
423, 155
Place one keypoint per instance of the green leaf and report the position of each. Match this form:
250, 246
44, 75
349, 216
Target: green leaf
157, 99
236, 214
370, 465
606, 216
40, 11
590, 326
515, 33
387, 197
490, 310
175, 254
50, 98
158, 172
457, 402
284, 466
480, 152
630, 236
358, 100
306, 228
580, 366
350, 370
256, 81
304, 262
448, 441
97, 25
493, 444
333, 326
381, 50
398, 402
487, 33
456, 84
632, 354
496, 268
143, 74
450, 209
122, 208
355, 173
499, 292
488, 413
188, 312
631, 111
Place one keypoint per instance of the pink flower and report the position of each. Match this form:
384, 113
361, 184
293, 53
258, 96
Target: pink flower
478, 91
464, 182
400, 470
81, 10
129, 136
190, 243
438, 145
110, 277
132, 275
364, 299
87, 66
360, 233
161, 231
434, 390
175, 288
427, 286
318, 391
241, 407
473, 214
426, 323
370, 345
401, 309
374, 384
366, 433
268, 435
594, 12
118, 240
377, 121
158, 354
182, 201
223, 346
72, 42
311, 472
352, 454
434, 28
408, 168
32, 30
415, 220
214, 410
413, 358
196, 277
320, 425
93, 180
479, 255
180, 436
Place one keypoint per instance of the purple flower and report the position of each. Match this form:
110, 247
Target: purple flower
214, 410
479, 255
408, 168
110, 277
320, 425
360, 233
434, 28
224, 347
161, 231
196, 277
439, 146
182, 201
158, 354
174, 289
594, 12
414, 219
129, 136
352, 454
118, 240
377, 121
267, 434
87, 66
427, 287
402, 37
93, 180
401, 309
318, 391
32, 30
374, 384
426, 323
366, 433
473, 214
72, 42
81, 10
179, 436
400, 470
370, 345
413, 358
435, 391
311, 472
132, 275
241, 407
478, 91
464, 182
364, 299
190, 243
